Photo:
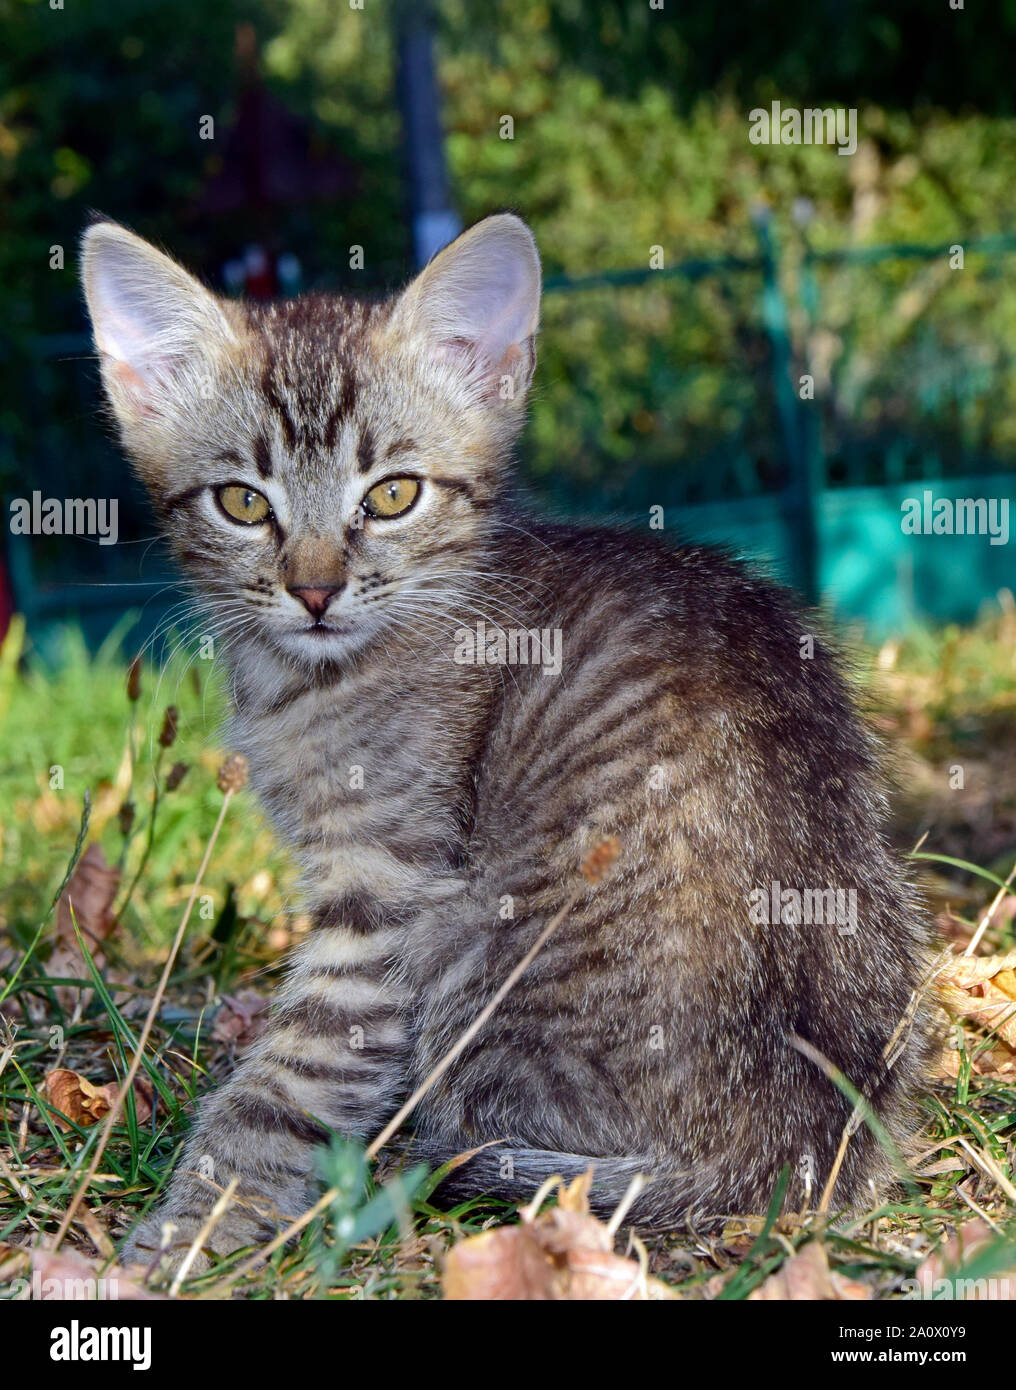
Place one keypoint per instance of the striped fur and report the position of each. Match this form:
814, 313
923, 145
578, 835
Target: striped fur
439, 810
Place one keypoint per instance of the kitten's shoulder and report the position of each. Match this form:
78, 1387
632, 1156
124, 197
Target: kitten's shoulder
647, 574
739, 639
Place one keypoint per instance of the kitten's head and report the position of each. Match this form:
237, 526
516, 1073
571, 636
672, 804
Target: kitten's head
325, 467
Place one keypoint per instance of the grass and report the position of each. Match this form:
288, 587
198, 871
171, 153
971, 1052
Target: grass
77, 752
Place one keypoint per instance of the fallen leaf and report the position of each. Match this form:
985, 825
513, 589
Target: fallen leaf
241, 1019
998, 1060
942, 1272
62, 1274
75, 1097
982, 990
806, 1277
90, 893
739, 1233
14, 1261
942, 1166
84, 1103
563, 1254
849, 1290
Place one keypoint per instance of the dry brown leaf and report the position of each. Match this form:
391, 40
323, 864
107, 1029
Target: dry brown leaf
14, 1261
90, 892
84, 1103
997, 1060
62, 1274
849, 1290
947, 1066
241, 1019
954, 1164
740, 1233
563, 1254
983, 990
505, 1264
145, 1100
999, 1011
95, 1230
806, 1277
75, 1097
941, 1273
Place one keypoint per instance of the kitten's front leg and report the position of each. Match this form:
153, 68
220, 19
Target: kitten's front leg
332, 1058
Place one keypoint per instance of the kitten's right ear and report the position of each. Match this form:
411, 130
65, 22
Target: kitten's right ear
478, 304
155, 327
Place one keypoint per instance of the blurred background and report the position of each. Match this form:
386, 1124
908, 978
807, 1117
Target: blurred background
777, 345
693, 278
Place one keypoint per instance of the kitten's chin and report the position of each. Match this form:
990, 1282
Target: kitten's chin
314, 646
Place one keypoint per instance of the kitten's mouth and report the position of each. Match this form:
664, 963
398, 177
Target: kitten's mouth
322, 641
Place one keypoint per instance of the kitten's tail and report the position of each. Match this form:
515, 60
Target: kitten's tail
514, 1175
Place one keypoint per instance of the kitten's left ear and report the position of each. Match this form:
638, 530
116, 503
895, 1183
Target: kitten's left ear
478, 303
156, 328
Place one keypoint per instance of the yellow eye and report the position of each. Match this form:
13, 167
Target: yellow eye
243, 504
391, 498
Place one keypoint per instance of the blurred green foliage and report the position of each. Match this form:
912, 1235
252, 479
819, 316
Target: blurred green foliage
630, 132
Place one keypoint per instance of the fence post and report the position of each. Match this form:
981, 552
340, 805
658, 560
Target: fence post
434, 221
798, 496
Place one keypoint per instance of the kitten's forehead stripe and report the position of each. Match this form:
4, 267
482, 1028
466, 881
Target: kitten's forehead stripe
346, 403
262, 457
365, 450
343, 406
309, 376
270, 391
331, 429
401, 446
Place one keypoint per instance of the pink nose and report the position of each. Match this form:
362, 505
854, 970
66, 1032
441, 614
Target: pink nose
314, 598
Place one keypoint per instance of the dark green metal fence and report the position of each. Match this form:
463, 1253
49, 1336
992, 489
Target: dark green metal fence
785, 404
861, 377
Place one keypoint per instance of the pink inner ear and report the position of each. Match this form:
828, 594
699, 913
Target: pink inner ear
472, 358
139, 390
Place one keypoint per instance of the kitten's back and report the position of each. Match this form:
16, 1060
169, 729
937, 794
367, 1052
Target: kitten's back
699, 719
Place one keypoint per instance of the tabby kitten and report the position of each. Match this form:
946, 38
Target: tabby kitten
334, 476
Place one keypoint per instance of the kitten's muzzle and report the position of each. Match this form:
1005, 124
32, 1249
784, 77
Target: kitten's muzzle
316, 598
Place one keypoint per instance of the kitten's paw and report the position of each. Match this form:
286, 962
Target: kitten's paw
145, 1249
163, 1243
